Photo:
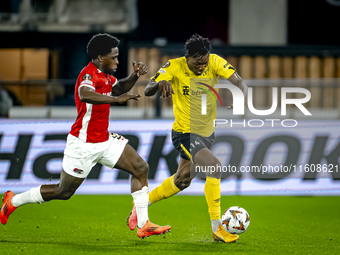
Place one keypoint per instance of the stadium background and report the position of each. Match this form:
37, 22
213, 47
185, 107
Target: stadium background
271, 43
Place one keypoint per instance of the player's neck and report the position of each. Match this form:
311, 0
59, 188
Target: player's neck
97, 65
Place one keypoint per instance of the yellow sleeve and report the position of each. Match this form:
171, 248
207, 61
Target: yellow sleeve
223, 68
164, 73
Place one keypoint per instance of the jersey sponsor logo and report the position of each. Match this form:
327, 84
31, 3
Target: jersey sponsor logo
167, 64
87, 77
197, 92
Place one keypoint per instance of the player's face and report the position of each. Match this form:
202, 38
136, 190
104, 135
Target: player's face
110, 61
198, 64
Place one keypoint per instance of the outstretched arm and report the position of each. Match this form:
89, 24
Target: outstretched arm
236, 80
124, 85
164, 87
88, 95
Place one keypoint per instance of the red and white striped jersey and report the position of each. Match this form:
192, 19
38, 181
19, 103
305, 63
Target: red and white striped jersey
92, 122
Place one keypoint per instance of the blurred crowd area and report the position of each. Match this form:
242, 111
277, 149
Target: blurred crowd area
68, 15
43, 48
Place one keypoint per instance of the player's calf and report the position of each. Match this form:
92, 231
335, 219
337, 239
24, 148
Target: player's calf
55, 192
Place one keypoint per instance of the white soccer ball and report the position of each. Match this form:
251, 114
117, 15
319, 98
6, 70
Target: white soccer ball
235, 220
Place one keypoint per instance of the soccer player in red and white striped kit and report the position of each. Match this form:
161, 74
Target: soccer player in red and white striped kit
89, 141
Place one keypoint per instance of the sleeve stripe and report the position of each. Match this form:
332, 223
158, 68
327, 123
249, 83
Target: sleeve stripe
116, 82
86, 85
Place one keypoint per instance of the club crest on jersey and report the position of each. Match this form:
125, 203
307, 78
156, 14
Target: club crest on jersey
116, 136
78, 171
87, 77
186, 90
167, 64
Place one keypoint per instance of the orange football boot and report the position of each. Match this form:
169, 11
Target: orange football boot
150, 229
132, 220
7, 208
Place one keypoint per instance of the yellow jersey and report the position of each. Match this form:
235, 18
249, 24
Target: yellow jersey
195, 98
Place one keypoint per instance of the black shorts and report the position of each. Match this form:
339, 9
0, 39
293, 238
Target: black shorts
189, 144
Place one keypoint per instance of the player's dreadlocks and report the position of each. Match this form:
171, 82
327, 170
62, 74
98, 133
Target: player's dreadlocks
197, 46
101, 44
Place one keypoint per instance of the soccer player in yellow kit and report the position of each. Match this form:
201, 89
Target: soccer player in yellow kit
185, 79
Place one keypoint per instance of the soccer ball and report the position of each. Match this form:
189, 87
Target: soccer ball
235, 220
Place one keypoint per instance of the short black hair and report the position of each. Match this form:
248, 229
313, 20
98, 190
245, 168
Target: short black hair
101, 44
197, 46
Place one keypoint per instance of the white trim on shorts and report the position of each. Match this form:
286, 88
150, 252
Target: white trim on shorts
80, 157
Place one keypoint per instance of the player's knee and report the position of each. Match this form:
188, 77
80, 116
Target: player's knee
212, 161
215, 168
216, 174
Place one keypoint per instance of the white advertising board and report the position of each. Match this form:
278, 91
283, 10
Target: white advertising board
300, 160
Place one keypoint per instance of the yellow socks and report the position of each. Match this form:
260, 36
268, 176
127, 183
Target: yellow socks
212, 192
165, 190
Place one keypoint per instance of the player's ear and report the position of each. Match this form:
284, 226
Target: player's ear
100, 58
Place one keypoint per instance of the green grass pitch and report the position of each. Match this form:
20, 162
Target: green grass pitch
95, 224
